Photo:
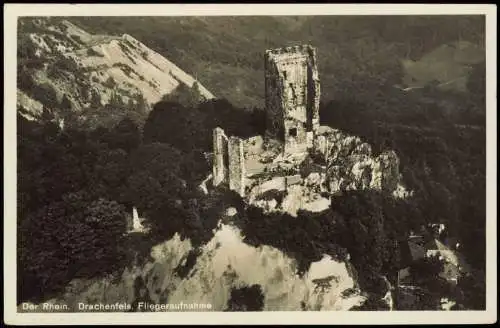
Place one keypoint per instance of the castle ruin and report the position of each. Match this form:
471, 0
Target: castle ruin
298, 164
292, 93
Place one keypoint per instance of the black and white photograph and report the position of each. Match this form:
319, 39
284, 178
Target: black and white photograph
202, 162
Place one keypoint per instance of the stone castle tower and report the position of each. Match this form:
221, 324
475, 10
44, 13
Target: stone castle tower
292, 96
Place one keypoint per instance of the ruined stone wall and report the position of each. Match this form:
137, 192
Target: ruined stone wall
228, 161
273, 95
314, 91
220, 149
292, 96
236, 165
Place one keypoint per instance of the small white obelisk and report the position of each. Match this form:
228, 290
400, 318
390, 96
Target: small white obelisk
136, 221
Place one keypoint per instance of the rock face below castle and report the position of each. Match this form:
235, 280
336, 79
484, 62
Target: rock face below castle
292, 96
288, 182
281, 182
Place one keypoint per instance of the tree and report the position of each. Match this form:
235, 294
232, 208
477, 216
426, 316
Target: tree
115, 100
45, 94
27, 48
25, 80
142, 105
473, 289
235, 121
77, 236
47, 115
155, 178
125, 135
178, 126
370, 231
110, 173
66, 103
248, 298
426, 268
95, 99
194, 167
187, 96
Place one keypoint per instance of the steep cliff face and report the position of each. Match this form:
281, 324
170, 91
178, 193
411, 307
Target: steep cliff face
226, 262
351, 165
58, 59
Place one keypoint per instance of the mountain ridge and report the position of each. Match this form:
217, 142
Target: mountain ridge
88, 70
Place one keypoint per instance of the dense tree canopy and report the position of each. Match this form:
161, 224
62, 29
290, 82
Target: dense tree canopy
78, 236
248, 298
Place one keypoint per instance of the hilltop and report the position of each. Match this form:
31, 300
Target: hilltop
64, 68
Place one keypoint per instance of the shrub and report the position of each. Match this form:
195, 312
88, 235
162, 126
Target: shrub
248, 298
67, 64
91, 52
109, 83
45, 94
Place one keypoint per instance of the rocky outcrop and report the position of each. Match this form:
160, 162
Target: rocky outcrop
28, 107
351, 165
339, 162
224, 263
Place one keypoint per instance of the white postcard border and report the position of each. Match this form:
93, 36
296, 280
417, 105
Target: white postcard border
13, 11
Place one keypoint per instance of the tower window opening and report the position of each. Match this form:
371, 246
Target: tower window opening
292, 132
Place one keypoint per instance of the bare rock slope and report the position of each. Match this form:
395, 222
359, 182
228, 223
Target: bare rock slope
58, 60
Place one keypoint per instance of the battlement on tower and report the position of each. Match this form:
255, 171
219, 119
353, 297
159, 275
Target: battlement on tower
290, 50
